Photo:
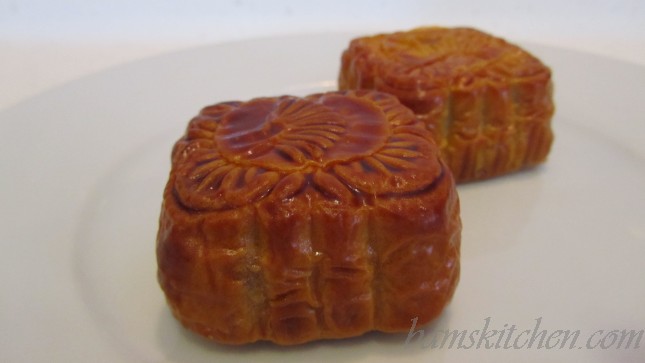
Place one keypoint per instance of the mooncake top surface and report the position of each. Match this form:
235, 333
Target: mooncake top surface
436, 55
341, 146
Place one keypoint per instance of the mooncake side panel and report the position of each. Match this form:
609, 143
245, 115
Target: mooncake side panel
345, 267
207, 266
416, 241
287, 260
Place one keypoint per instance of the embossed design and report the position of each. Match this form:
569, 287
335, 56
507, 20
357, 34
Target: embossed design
343, 144
287, 133
292, 133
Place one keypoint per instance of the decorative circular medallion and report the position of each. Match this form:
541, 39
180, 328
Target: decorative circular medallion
345, 144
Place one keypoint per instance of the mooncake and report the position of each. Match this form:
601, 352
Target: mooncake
488, 103
292, 219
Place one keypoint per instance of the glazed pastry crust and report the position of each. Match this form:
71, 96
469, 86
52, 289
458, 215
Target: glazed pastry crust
487, 102
294, 219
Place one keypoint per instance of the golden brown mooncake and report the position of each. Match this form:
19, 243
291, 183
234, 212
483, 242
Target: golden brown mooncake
487, 102
294, 219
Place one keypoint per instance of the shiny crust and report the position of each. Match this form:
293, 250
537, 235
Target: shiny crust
487, 102
295, 219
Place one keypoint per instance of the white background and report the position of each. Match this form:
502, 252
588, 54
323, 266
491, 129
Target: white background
45, 43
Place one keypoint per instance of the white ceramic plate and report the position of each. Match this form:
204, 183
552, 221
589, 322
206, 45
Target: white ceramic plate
83, 167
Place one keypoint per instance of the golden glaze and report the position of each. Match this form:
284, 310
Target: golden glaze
487, 102
294, 219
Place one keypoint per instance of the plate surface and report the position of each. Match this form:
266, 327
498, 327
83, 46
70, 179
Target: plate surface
556, 249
